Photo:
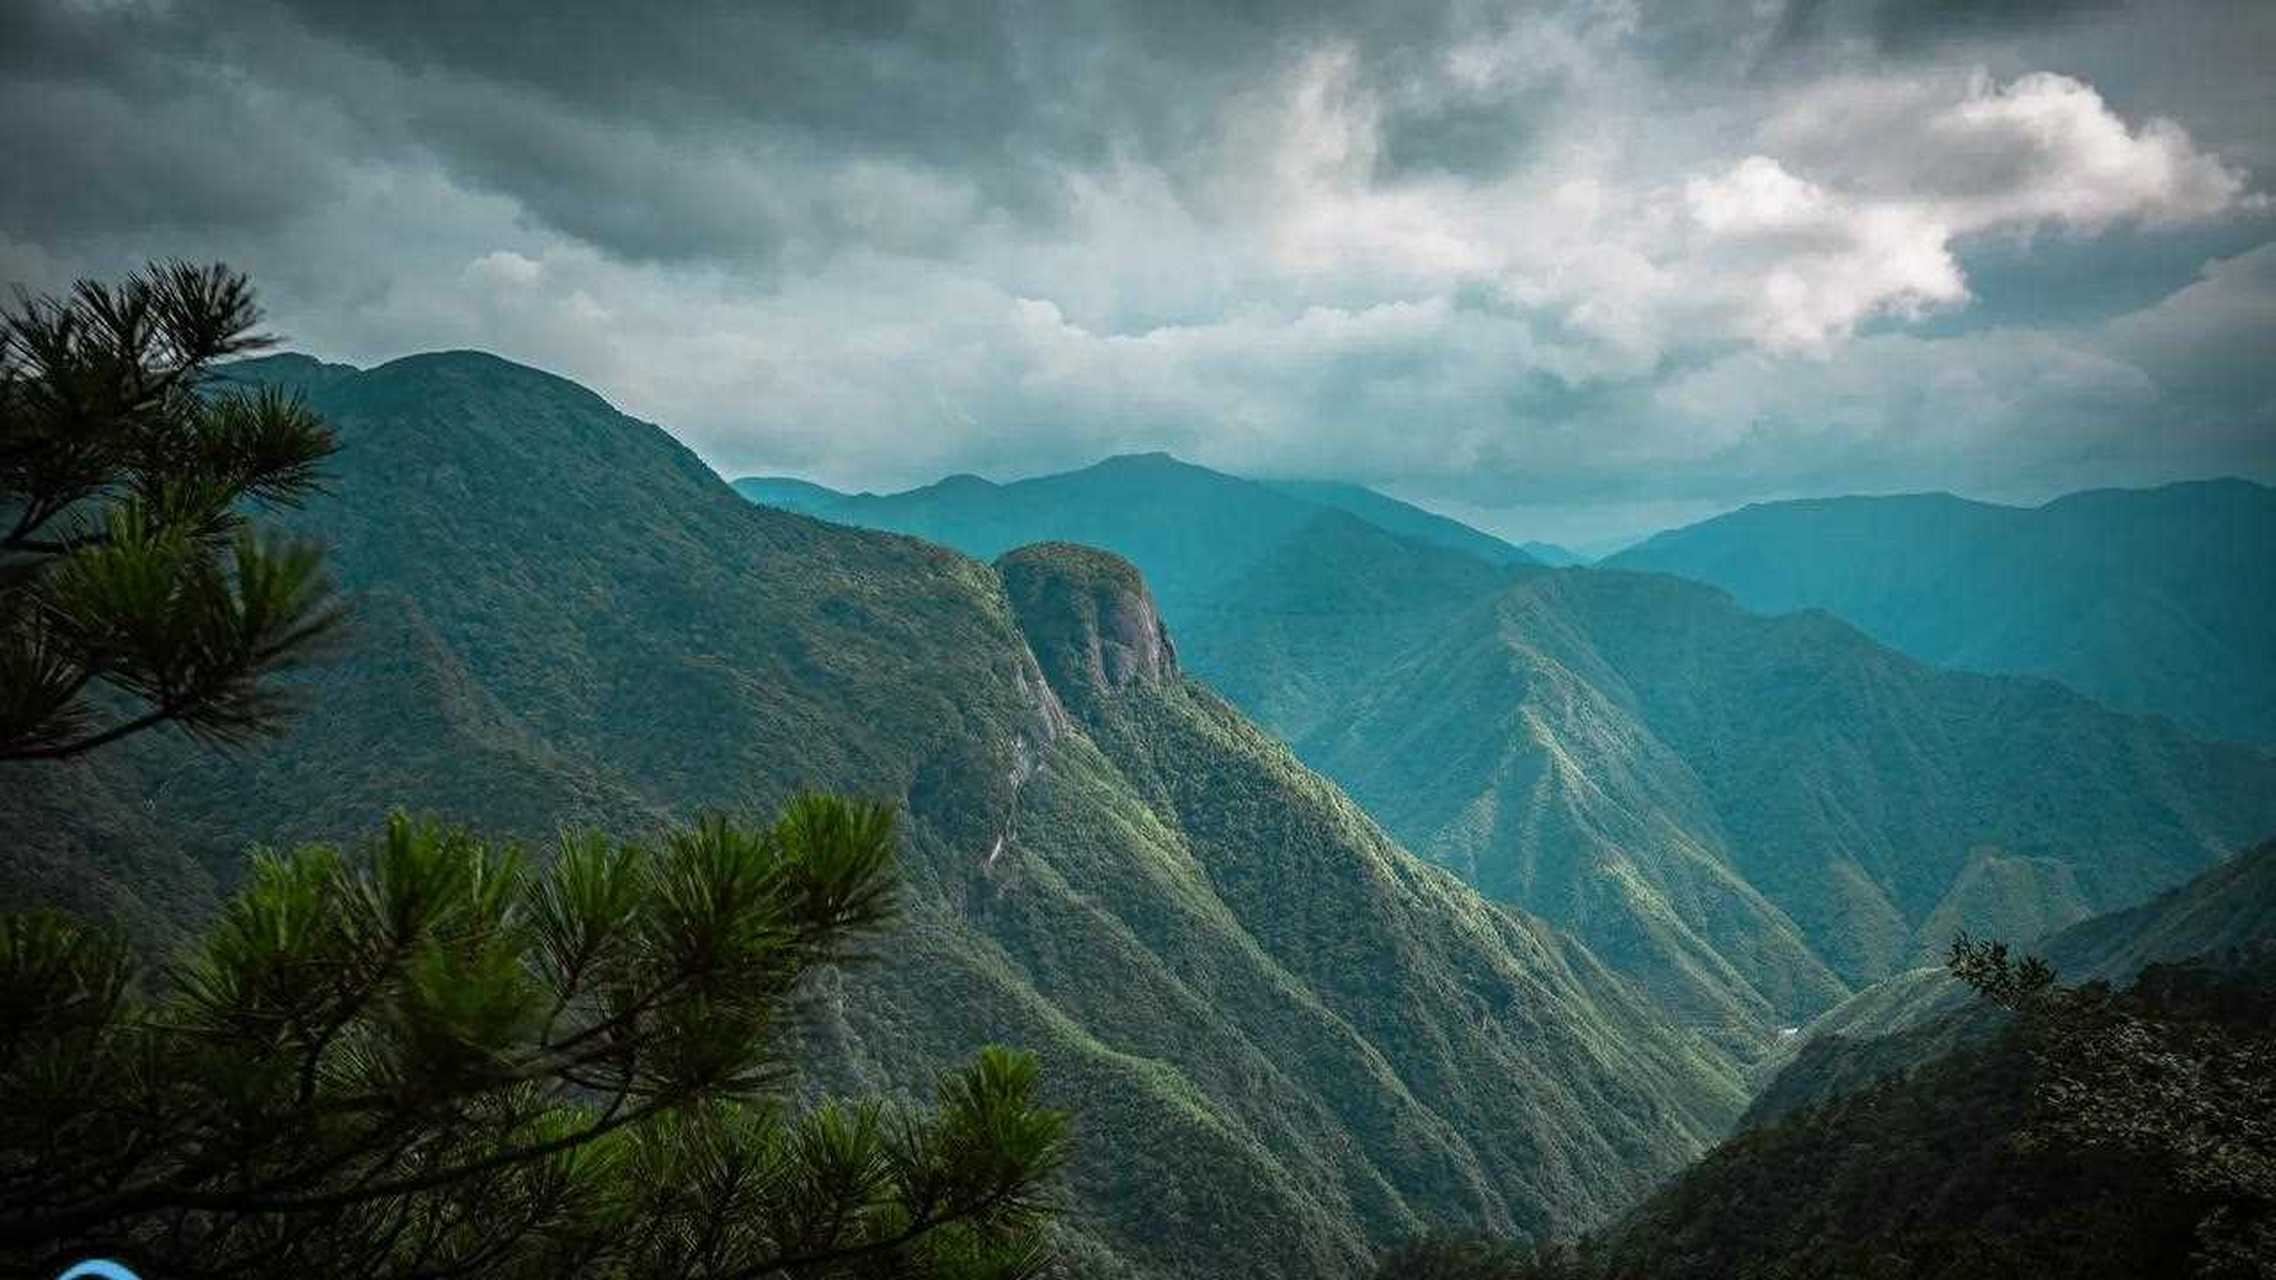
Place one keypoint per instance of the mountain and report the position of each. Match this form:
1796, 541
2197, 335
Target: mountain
1752, 815
1549, 553
1893, 1132
1279, 600
1288, 1041
2229, 907
1632, 752
784, 493
947, 509
1916, 1016
1410, 521
2157, 600
1193, 530
289, 370
2118, 1135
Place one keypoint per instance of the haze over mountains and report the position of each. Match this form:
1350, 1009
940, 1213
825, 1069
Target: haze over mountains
2159, 600
1264, 1008
1754, 815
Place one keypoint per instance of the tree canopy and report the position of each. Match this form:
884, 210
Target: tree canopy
135, 590
428, 1057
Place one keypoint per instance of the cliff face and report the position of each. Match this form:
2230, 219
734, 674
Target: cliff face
1089, 617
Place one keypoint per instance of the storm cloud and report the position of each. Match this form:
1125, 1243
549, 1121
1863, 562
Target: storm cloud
1555, 267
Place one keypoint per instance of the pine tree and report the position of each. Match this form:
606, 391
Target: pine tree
134, 589
427, 1058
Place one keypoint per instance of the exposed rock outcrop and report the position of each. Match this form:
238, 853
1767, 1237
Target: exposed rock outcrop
1089, 618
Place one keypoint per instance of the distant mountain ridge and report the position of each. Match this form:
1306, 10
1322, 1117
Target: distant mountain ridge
1403, 519
1264, 1010
2152, 600
1753, 815
1549, 553
1409, 521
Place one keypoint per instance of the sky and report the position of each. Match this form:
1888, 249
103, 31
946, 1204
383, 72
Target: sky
1571, 270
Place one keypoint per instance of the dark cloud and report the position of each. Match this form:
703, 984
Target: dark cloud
126, 125
1480, 137
1908, 26
1614, 253
1914, 27
2069, 281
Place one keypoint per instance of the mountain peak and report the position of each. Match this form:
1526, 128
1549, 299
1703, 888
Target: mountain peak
1153, 460
291, 370
1088, 615
468, 362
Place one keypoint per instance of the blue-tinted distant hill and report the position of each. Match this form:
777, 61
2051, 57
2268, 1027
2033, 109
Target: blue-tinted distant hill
785, 494
1191, 527
2159, 600
1410, 521
1556, 557
1277, 598
945, 504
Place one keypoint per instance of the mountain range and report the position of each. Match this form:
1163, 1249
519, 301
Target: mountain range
1164, 738
1264, 1010
1755, 815
2151, 600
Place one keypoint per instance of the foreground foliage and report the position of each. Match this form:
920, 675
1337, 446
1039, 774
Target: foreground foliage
426, 1057
2101, 1133
134, 591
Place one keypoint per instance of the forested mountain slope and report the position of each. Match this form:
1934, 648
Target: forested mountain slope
2093, 1136
2157, 600
2113, 1124
1288, 1041
1910, 1017
1751, 814
1851, 787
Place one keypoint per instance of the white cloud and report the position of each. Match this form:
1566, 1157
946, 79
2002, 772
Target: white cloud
503, 268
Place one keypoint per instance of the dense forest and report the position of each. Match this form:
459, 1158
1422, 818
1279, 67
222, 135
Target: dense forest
2090, 1132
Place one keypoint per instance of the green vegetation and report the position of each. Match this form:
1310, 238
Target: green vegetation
427, 1057
1921, 1014
2100, 1134
2157, 600
134, 592
2229, 907
2090, 1133
1260, 1008
1753, 816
